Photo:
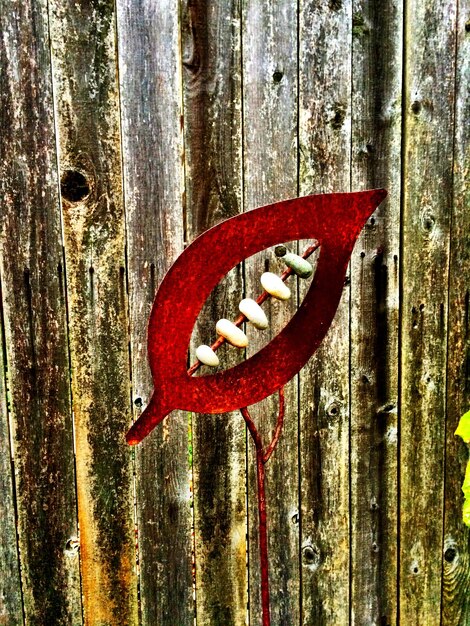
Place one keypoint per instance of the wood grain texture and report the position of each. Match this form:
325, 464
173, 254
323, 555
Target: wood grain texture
150, 82
11, 610
456, 549
83, 46
270, 174
324, 145
279, 99
427, 207
376, 162
34, 313
212, 130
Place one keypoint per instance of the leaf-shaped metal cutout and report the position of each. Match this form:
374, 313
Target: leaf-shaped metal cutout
334, 220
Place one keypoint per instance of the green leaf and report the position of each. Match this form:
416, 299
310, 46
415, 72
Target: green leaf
463, 429
466, 492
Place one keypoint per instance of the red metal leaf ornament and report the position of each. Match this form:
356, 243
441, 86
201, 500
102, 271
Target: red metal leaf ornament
334, 220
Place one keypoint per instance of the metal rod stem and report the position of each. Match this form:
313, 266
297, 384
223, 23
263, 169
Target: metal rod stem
263, 538
262, 298
262, 457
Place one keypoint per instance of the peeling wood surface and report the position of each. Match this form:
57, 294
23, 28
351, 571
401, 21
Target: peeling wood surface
270, 173
150, 81
324, 153
456, 563
376, 162
34, 315
11, 611
427, 209
126, 131
86, 89
211, 58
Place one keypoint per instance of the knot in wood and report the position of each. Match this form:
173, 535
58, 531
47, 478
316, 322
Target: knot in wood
333, 410
74, 186
450, 554
311, 556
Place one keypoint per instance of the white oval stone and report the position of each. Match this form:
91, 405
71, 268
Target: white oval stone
254, 313
232, 333
206, 355
274, 286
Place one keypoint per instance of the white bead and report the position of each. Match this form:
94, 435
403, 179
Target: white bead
274, 286
232, 333
206, 355
254, 313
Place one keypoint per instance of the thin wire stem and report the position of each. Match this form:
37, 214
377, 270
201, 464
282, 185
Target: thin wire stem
262, 457
279, 425
262, 298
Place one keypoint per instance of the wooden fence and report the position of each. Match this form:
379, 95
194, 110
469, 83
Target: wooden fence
129, 127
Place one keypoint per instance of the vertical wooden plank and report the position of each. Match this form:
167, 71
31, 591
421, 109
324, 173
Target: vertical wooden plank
270, 174
150, 82
212, 123
427, 203
11, 610
325, 124
31, 266
456, 571
376, 162
83, 48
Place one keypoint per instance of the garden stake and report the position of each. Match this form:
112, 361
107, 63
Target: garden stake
335, 221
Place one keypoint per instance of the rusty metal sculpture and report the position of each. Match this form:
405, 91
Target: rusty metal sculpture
334, 221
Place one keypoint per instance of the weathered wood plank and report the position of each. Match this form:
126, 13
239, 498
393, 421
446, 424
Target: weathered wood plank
83, 46
376, 162
212, 126
324, 144
456, 572
11, 610
31, 266
150, 81
427, 206
270, 174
